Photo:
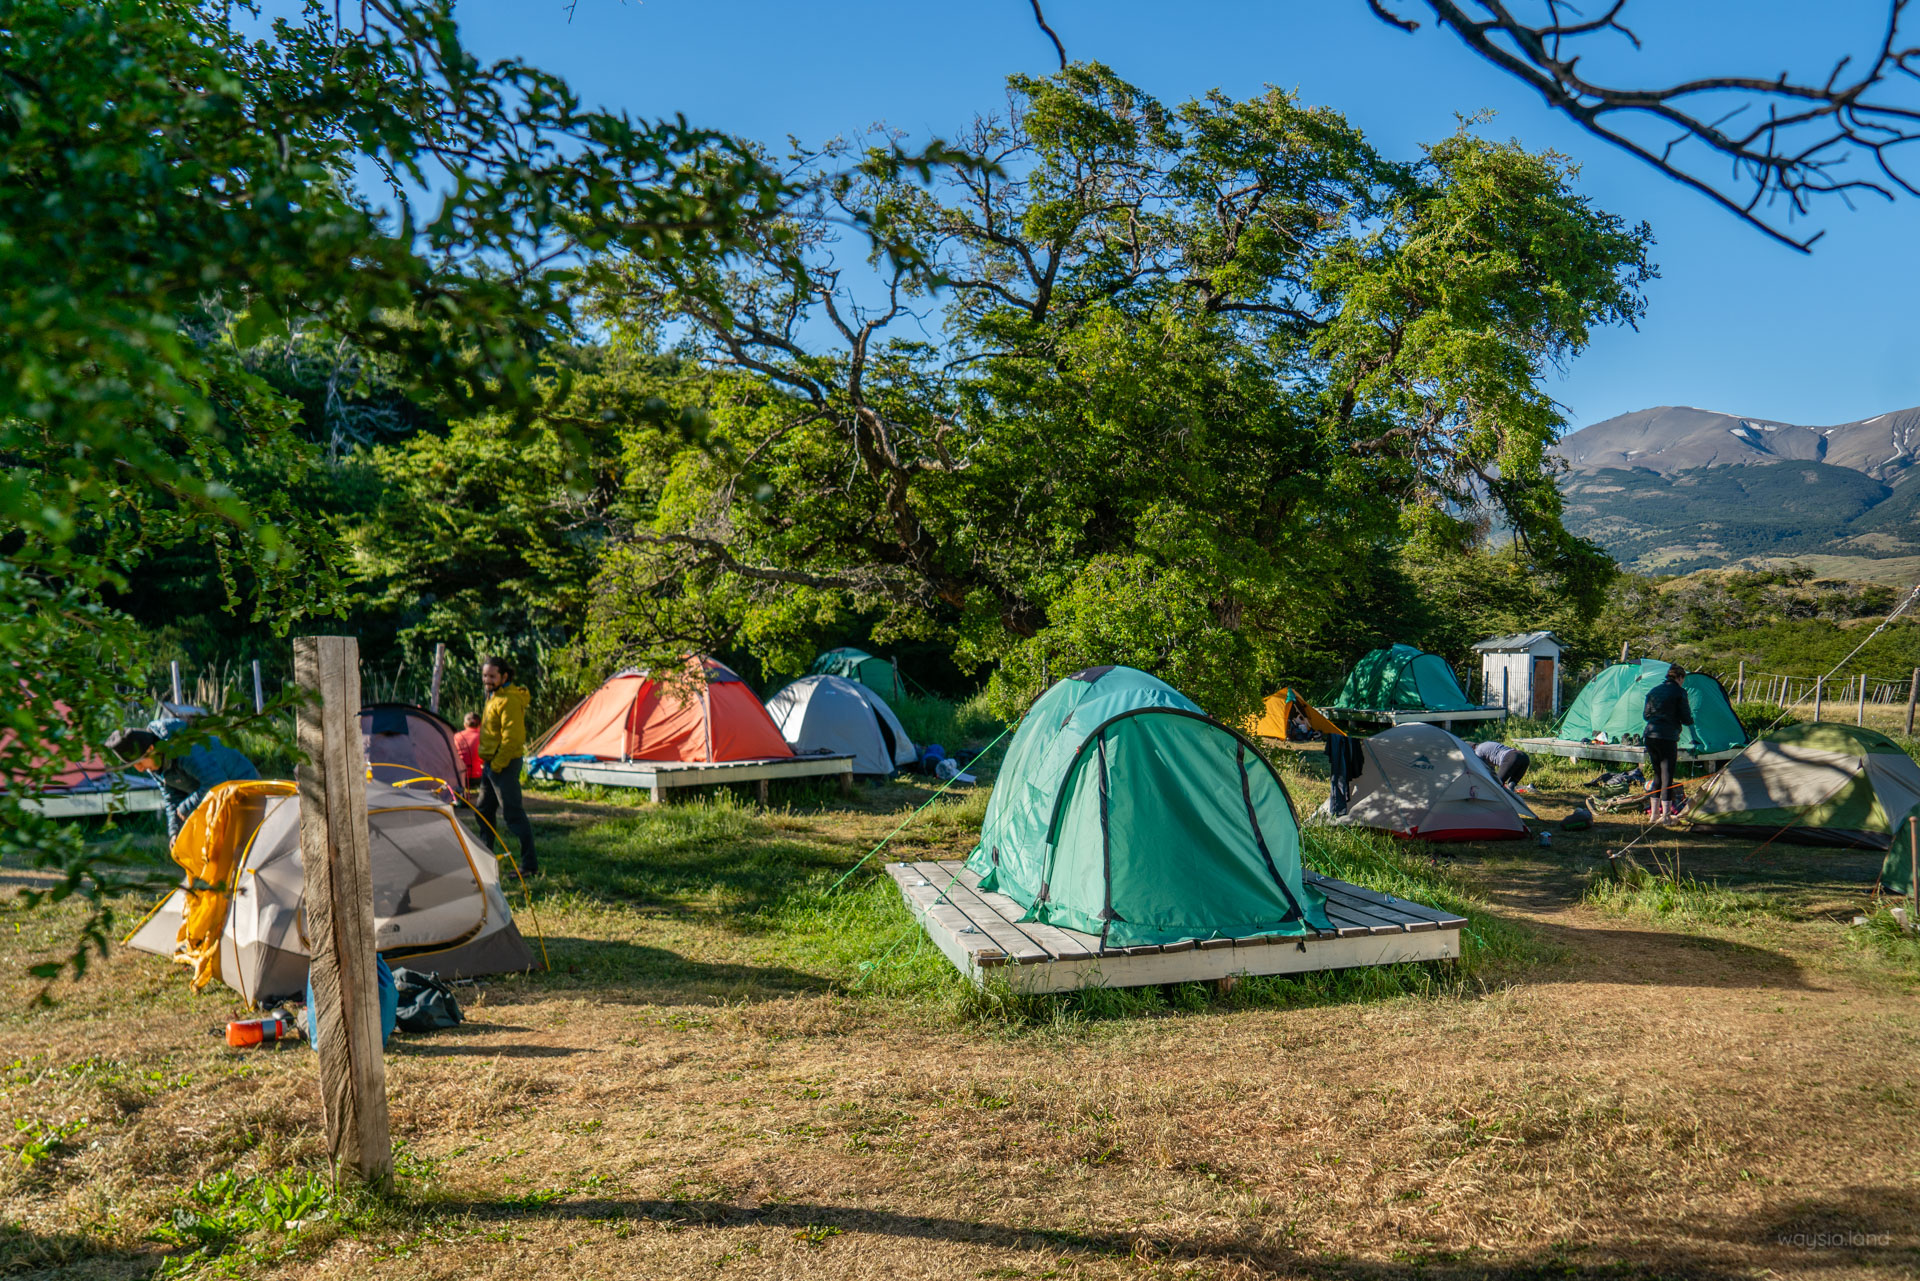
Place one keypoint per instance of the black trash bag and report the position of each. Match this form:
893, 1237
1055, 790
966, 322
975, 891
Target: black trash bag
427, 1003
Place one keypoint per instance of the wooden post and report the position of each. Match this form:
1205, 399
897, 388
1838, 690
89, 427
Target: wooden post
1860, 708
1740, 684
1506, 686
176, 682
1913, 693
1623, 651
1818, 683
259, 693
439, 665
339, 907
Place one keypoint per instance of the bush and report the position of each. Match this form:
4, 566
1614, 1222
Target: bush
1756, 716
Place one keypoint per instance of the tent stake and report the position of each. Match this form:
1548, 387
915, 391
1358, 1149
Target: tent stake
338, 893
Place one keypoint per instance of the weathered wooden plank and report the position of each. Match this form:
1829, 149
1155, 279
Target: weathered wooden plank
1210, 944
1379, 919
1006, 935
1061, 943
338, 900
1445, 920
943, 922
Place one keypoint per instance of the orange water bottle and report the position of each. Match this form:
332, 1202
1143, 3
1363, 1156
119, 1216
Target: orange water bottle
242, 1033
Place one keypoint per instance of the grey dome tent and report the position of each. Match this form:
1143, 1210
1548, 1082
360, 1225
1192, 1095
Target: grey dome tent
835, 715
438, 903
409, 746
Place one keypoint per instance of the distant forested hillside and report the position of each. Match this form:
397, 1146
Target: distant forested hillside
1713, 516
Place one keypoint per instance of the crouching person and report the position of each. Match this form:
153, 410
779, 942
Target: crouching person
187, 776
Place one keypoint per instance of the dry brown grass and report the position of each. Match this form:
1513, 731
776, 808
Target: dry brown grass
1675, 1096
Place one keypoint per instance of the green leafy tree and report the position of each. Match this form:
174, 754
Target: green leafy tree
1134, 384
174, 193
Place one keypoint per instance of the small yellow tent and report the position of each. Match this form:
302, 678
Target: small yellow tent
1283, 708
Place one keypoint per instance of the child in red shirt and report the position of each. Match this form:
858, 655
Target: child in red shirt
467, 744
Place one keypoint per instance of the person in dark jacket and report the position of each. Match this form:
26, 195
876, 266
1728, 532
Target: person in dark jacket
1666, 712
1509, 764
187, 777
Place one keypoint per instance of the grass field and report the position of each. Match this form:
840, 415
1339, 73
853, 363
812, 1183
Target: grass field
730, 1069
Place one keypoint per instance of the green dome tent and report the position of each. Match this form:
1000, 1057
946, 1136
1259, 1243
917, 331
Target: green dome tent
1403, 679
877, 674
1123, 810
1819, 784
1896, 874
1613, 703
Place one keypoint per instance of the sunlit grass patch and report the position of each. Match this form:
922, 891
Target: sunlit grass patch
1686, 901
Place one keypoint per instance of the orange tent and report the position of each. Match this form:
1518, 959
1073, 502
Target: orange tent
707, 715
1283, 707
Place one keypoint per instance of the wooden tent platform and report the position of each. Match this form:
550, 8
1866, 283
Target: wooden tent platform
660, 777
135, 800
1623, 753
979, 932
1389, 716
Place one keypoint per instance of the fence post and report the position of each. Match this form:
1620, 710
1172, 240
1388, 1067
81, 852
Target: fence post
1623, 651
1818, 683
175, 665
439, 665
338, 897
1740, 684
1860, 708
1913, 691
259, 693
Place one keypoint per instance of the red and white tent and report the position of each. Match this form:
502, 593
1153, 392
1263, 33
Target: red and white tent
706, 713
1423, 784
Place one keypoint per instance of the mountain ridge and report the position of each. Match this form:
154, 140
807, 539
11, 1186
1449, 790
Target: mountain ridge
1674, 488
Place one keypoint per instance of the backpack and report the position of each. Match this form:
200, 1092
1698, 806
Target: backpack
426, 1002
1579, 821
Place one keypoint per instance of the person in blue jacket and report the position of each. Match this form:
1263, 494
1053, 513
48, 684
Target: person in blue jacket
1667, 712
187, 776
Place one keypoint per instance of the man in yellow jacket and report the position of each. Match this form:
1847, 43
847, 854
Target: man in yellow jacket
503, 741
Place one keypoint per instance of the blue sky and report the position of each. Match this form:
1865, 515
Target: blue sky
1736, 323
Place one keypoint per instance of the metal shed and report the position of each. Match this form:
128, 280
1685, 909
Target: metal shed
1521, 673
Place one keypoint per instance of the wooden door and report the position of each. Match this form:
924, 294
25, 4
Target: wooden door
1542, 687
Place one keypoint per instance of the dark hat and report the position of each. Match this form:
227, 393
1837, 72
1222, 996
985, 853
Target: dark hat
131, 744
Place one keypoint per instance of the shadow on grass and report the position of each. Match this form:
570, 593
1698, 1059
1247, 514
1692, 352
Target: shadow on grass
1655, 958
1846, 1230
636, 974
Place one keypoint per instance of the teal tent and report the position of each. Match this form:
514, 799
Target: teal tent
877, 674
1401, 679
1613, 703
1124, 811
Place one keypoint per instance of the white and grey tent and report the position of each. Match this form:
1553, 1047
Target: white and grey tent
437, 899
1421, 783
834, 714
